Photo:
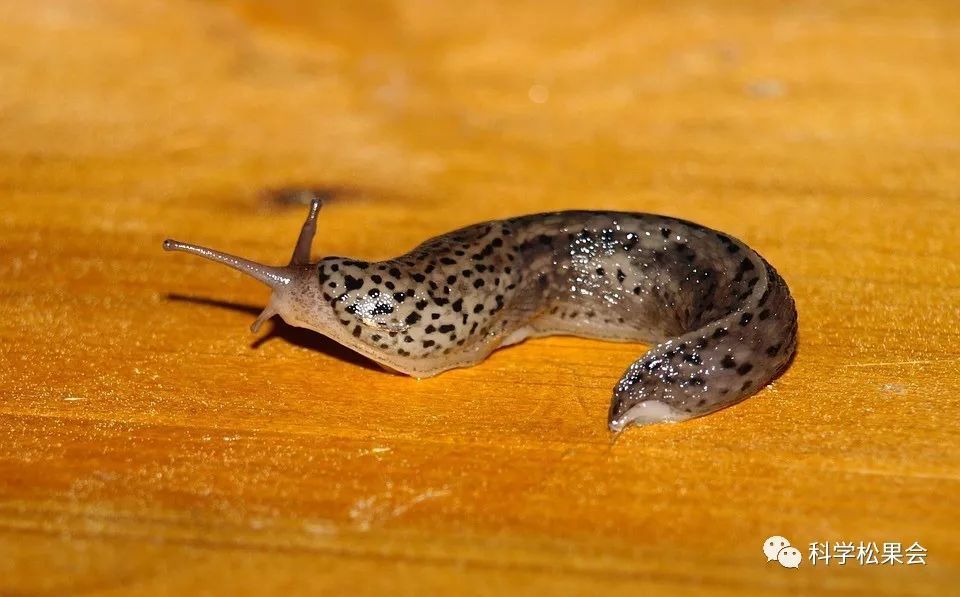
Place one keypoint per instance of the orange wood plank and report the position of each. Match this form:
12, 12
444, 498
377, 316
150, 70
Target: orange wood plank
150, 444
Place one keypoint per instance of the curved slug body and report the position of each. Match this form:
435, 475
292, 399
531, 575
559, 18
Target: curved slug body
722, 320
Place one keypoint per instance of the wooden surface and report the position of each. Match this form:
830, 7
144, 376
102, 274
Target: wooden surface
149, 443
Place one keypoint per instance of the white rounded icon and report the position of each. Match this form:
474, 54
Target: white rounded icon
773, 545
789, 557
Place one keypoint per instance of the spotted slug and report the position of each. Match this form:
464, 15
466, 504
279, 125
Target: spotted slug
722, 321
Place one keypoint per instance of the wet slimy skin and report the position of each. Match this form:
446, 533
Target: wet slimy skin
722, 321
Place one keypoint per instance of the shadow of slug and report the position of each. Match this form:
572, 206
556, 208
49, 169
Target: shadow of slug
301, 337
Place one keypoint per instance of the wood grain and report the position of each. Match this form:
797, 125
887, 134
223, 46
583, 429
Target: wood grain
149, 444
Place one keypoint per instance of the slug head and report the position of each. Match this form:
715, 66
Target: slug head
340, 298
294, 285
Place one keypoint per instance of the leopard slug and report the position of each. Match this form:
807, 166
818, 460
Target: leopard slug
721, 320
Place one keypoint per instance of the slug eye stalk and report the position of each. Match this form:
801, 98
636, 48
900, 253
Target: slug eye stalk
276, 277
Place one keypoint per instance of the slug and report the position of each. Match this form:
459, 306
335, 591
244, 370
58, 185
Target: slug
722, 321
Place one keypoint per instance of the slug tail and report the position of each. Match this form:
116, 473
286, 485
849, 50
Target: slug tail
712, 367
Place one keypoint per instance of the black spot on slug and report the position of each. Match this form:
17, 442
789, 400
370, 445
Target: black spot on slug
382, 309
352, 283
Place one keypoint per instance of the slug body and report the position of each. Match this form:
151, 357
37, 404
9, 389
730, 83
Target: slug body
722, 321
